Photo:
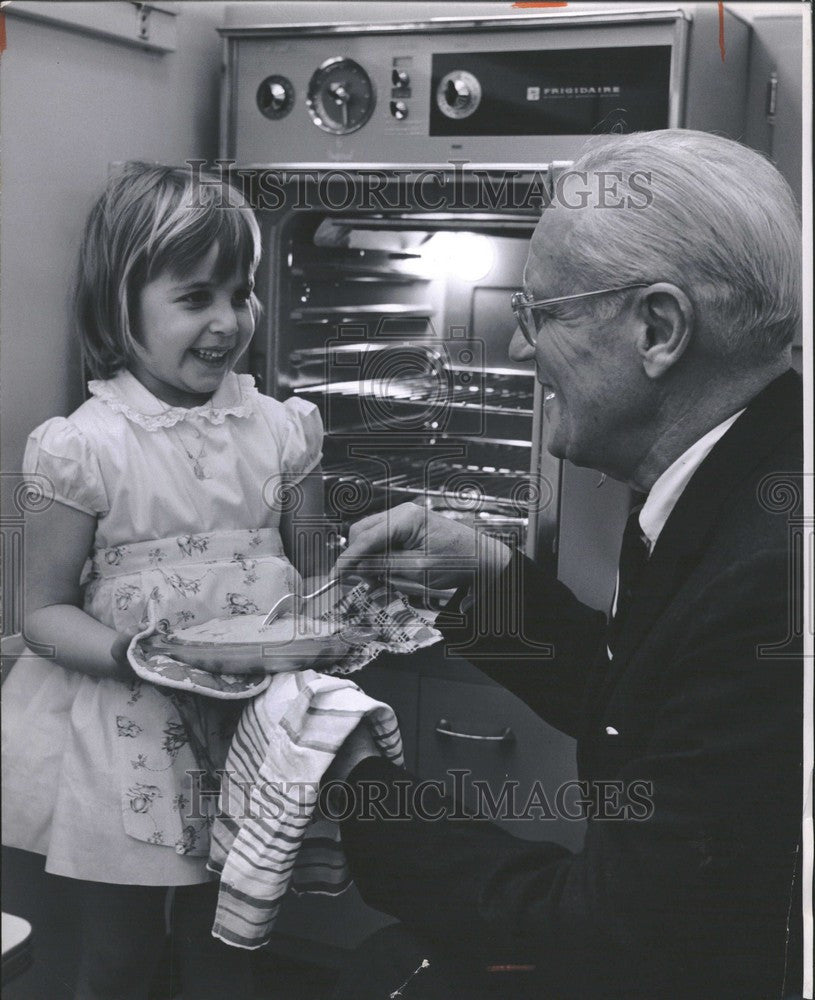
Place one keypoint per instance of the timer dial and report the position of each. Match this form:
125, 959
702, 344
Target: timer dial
458, 94
340, 96
275, 97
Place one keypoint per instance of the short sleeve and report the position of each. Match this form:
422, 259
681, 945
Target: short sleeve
58, 451
303, 444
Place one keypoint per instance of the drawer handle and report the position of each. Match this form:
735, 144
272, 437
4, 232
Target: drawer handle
443, 729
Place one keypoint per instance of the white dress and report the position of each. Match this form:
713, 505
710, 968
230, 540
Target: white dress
188, 504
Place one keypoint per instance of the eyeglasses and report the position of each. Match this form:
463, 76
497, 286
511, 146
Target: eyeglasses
522, 306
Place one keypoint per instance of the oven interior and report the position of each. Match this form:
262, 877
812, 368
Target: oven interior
397, 326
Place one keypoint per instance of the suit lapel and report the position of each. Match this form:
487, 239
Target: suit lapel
771, 416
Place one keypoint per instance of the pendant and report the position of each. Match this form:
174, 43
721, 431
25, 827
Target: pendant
199, 472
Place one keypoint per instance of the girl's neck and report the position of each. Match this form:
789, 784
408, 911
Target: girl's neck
170, 394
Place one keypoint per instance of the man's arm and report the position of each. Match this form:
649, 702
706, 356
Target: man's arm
530, 633
705, 869
524, 628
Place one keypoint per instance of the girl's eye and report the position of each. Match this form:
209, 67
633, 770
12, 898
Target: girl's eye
199, 297
243, 295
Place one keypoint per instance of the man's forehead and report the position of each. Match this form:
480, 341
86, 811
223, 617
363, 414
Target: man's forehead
545, 253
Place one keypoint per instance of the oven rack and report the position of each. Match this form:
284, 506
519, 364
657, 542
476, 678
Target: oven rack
464, 486
420, 392
471, 222
434, 349
345, 263
357, 432
346, 314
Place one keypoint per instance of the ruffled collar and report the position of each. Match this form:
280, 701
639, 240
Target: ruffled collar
235, 397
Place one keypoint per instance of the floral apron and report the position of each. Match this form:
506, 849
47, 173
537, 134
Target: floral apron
170, 743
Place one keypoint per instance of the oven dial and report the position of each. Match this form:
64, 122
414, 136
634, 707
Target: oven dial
275, 97
458, 94
340, 96
399, 110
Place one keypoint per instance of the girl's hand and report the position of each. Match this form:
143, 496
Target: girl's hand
118, 651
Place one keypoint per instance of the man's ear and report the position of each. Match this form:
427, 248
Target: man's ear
667, 318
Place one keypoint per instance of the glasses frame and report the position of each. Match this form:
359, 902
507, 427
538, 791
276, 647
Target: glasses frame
520, 303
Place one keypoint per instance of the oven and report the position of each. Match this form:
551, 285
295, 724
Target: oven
398, 171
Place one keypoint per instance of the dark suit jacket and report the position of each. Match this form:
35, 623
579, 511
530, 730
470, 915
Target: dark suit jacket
700, 899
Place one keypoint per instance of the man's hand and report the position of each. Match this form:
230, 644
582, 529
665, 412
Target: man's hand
421, 545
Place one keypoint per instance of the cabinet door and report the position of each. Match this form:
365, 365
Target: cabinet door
513, 763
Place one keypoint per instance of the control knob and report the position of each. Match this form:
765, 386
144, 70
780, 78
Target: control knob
458, 94
275, 97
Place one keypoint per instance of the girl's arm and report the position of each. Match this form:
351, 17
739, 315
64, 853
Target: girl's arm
305, 532
57, 543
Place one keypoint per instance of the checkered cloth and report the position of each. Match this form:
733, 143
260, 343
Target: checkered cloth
387, 621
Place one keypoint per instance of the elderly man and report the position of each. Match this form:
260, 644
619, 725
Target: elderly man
663, 328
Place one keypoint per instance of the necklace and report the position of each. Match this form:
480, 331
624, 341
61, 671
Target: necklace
199, 443
198, 448
195, 459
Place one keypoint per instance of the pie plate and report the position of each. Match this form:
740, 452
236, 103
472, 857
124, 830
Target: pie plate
294, 652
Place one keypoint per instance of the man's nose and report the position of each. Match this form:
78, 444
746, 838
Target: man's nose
519, 347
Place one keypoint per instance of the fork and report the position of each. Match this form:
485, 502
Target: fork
289, 603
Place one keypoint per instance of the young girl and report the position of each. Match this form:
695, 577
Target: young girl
167, 487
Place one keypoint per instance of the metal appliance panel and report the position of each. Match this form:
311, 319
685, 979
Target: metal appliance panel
255, 54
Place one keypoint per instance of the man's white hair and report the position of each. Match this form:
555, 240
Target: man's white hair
717, 220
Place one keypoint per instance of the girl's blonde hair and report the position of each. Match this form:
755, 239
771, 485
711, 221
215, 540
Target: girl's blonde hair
151, 219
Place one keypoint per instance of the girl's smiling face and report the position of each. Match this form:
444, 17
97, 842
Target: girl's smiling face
191, 331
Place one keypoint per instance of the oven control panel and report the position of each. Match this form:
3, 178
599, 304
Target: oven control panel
511, 90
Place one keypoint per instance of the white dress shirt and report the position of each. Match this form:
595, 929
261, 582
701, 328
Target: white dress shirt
669, 487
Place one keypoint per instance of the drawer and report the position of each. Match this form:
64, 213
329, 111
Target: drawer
497, 740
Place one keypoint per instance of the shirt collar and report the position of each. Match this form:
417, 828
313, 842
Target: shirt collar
669, 487
124, 393
139, 397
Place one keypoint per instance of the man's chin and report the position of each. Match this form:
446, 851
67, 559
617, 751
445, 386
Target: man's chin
555, 443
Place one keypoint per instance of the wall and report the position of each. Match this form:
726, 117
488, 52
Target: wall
777, 49
70, 104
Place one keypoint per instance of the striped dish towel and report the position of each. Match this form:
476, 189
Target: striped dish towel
267, 836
